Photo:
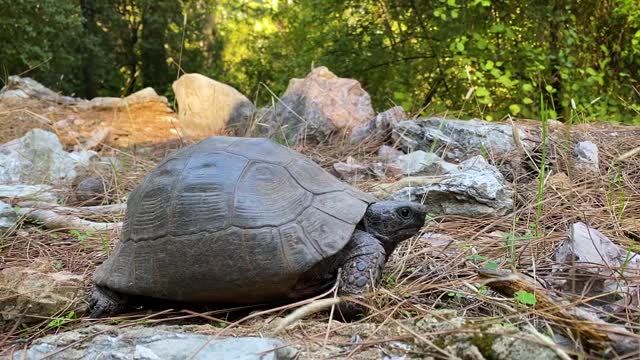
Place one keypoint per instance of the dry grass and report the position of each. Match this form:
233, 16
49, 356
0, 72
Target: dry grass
420, 278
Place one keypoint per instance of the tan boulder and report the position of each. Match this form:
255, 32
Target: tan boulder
207, 107
32, 294
318, 106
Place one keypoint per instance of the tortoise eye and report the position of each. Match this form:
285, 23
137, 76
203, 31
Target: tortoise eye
404, 212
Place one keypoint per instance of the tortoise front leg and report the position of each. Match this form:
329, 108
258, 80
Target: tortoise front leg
104, 302
361, 271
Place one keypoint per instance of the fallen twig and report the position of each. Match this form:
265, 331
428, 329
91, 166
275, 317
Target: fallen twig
306, 310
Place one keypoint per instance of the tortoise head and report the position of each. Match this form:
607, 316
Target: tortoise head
394, 221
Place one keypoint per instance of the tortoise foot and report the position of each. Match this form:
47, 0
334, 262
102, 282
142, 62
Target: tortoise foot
104, 302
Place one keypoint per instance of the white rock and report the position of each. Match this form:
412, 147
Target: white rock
424, 163
476, 189
8, 217
37, 158
31, 192
157, 342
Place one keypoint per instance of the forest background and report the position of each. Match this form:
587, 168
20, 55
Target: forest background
464, 58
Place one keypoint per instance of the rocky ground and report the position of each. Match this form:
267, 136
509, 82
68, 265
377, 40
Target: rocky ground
512, 264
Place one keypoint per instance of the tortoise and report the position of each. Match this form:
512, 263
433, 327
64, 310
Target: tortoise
248, 221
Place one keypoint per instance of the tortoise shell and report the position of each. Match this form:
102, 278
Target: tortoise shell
236, 220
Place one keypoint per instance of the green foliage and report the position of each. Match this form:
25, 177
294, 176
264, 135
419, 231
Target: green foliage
60, 321
81, 236
525, 298
479, 58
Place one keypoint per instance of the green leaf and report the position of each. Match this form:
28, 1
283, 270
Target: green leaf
525, 297
527, 101
488, 65
460, 46
451, 2
514, 109
527, 87
482, 92
550, 89
491, 265
477, 257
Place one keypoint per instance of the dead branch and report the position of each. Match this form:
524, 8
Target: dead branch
85, 211
53, 220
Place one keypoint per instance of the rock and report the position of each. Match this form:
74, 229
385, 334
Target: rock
146, 95
208, 107
8, 217
24, 87
585, 155
475, 189
384, 170
424, 163
387, 153
38, 157
593, 264
351, 171
149, 343
502, 342
91, 190
32, 192
458, 139
314, 108
99, 137
62, 124
380, 126
30, 294
13, 94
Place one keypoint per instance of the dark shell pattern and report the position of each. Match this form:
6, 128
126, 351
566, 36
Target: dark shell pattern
230, 220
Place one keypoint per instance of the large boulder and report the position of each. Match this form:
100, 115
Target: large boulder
316, 107
30, 294
459, 139
208, 107
38, 158
159, 342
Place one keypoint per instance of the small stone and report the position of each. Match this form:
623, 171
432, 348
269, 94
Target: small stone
62, 124
78, 122
8, 217
91, 190
585, 155
387, 153
380, 126
351, 172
